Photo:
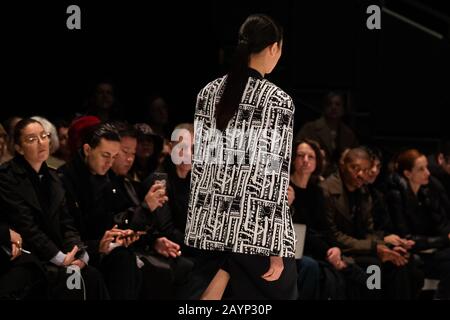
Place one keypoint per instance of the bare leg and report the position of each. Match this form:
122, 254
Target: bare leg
217, 286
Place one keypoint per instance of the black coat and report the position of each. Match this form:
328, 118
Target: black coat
419, 217
309, 208
129, 211
89, 199
45, 231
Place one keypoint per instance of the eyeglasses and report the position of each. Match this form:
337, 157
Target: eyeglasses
357, 169
33, 138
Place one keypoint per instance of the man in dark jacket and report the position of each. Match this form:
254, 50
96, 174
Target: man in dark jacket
90, 201
349, 212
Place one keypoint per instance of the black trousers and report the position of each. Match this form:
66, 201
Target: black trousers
397, 283
122, 276
164, 278
61, 284
437, 266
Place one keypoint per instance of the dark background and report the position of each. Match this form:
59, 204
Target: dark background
396, 78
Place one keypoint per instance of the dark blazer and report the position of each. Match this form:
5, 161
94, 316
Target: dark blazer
353, 237
44, 232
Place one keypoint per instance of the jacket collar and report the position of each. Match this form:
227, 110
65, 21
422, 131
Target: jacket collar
255, 74
338, 192
26, 189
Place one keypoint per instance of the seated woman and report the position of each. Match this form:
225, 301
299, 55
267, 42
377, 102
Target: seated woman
33, 199
418, 215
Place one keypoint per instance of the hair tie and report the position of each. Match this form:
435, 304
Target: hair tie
243, 40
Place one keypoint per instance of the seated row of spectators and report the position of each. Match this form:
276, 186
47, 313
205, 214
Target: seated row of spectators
87, 215
123, 227
353, 224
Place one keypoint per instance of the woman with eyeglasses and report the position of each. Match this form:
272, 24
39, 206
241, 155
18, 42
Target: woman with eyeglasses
33, 200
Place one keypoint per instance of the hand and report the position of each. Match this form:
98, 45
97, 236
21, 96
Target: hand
70, 256
167, 248
16, 244
156, 196
275, 269
108, 238
334, 257
408, 244
385, 254
15, 237
402, 251
15, 251
395, 240
291, 195
79, 263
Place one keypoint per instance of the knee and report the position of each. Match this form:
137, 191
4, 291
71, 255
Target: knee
307, 264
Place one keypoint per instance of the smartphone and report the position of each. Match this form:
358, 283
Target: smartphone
161, 177
134, 233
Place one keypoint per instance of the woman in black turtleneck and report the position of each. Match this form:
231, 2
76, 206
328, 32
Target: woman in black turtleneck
34, 201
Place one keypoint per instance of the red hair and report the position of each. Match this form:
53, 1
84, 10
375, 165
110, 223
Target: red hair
406, 160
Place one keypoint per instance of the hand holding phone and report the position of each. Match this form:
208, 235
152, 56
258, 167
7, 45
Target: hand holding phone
156, 197
161, 178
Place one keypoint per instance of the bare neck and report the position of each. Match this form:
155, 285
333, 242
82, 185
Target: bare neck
414, 187
257, 64
36, 166
300, 179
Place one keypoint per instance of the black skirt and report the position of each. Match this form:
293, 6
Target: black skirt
245, 272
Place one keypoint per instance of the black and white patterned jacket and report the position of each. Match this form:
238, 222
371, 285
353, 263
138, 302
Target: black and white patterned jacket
239, 178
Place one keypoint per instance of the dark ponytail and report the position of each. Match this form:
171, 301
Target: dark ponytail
256, 33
